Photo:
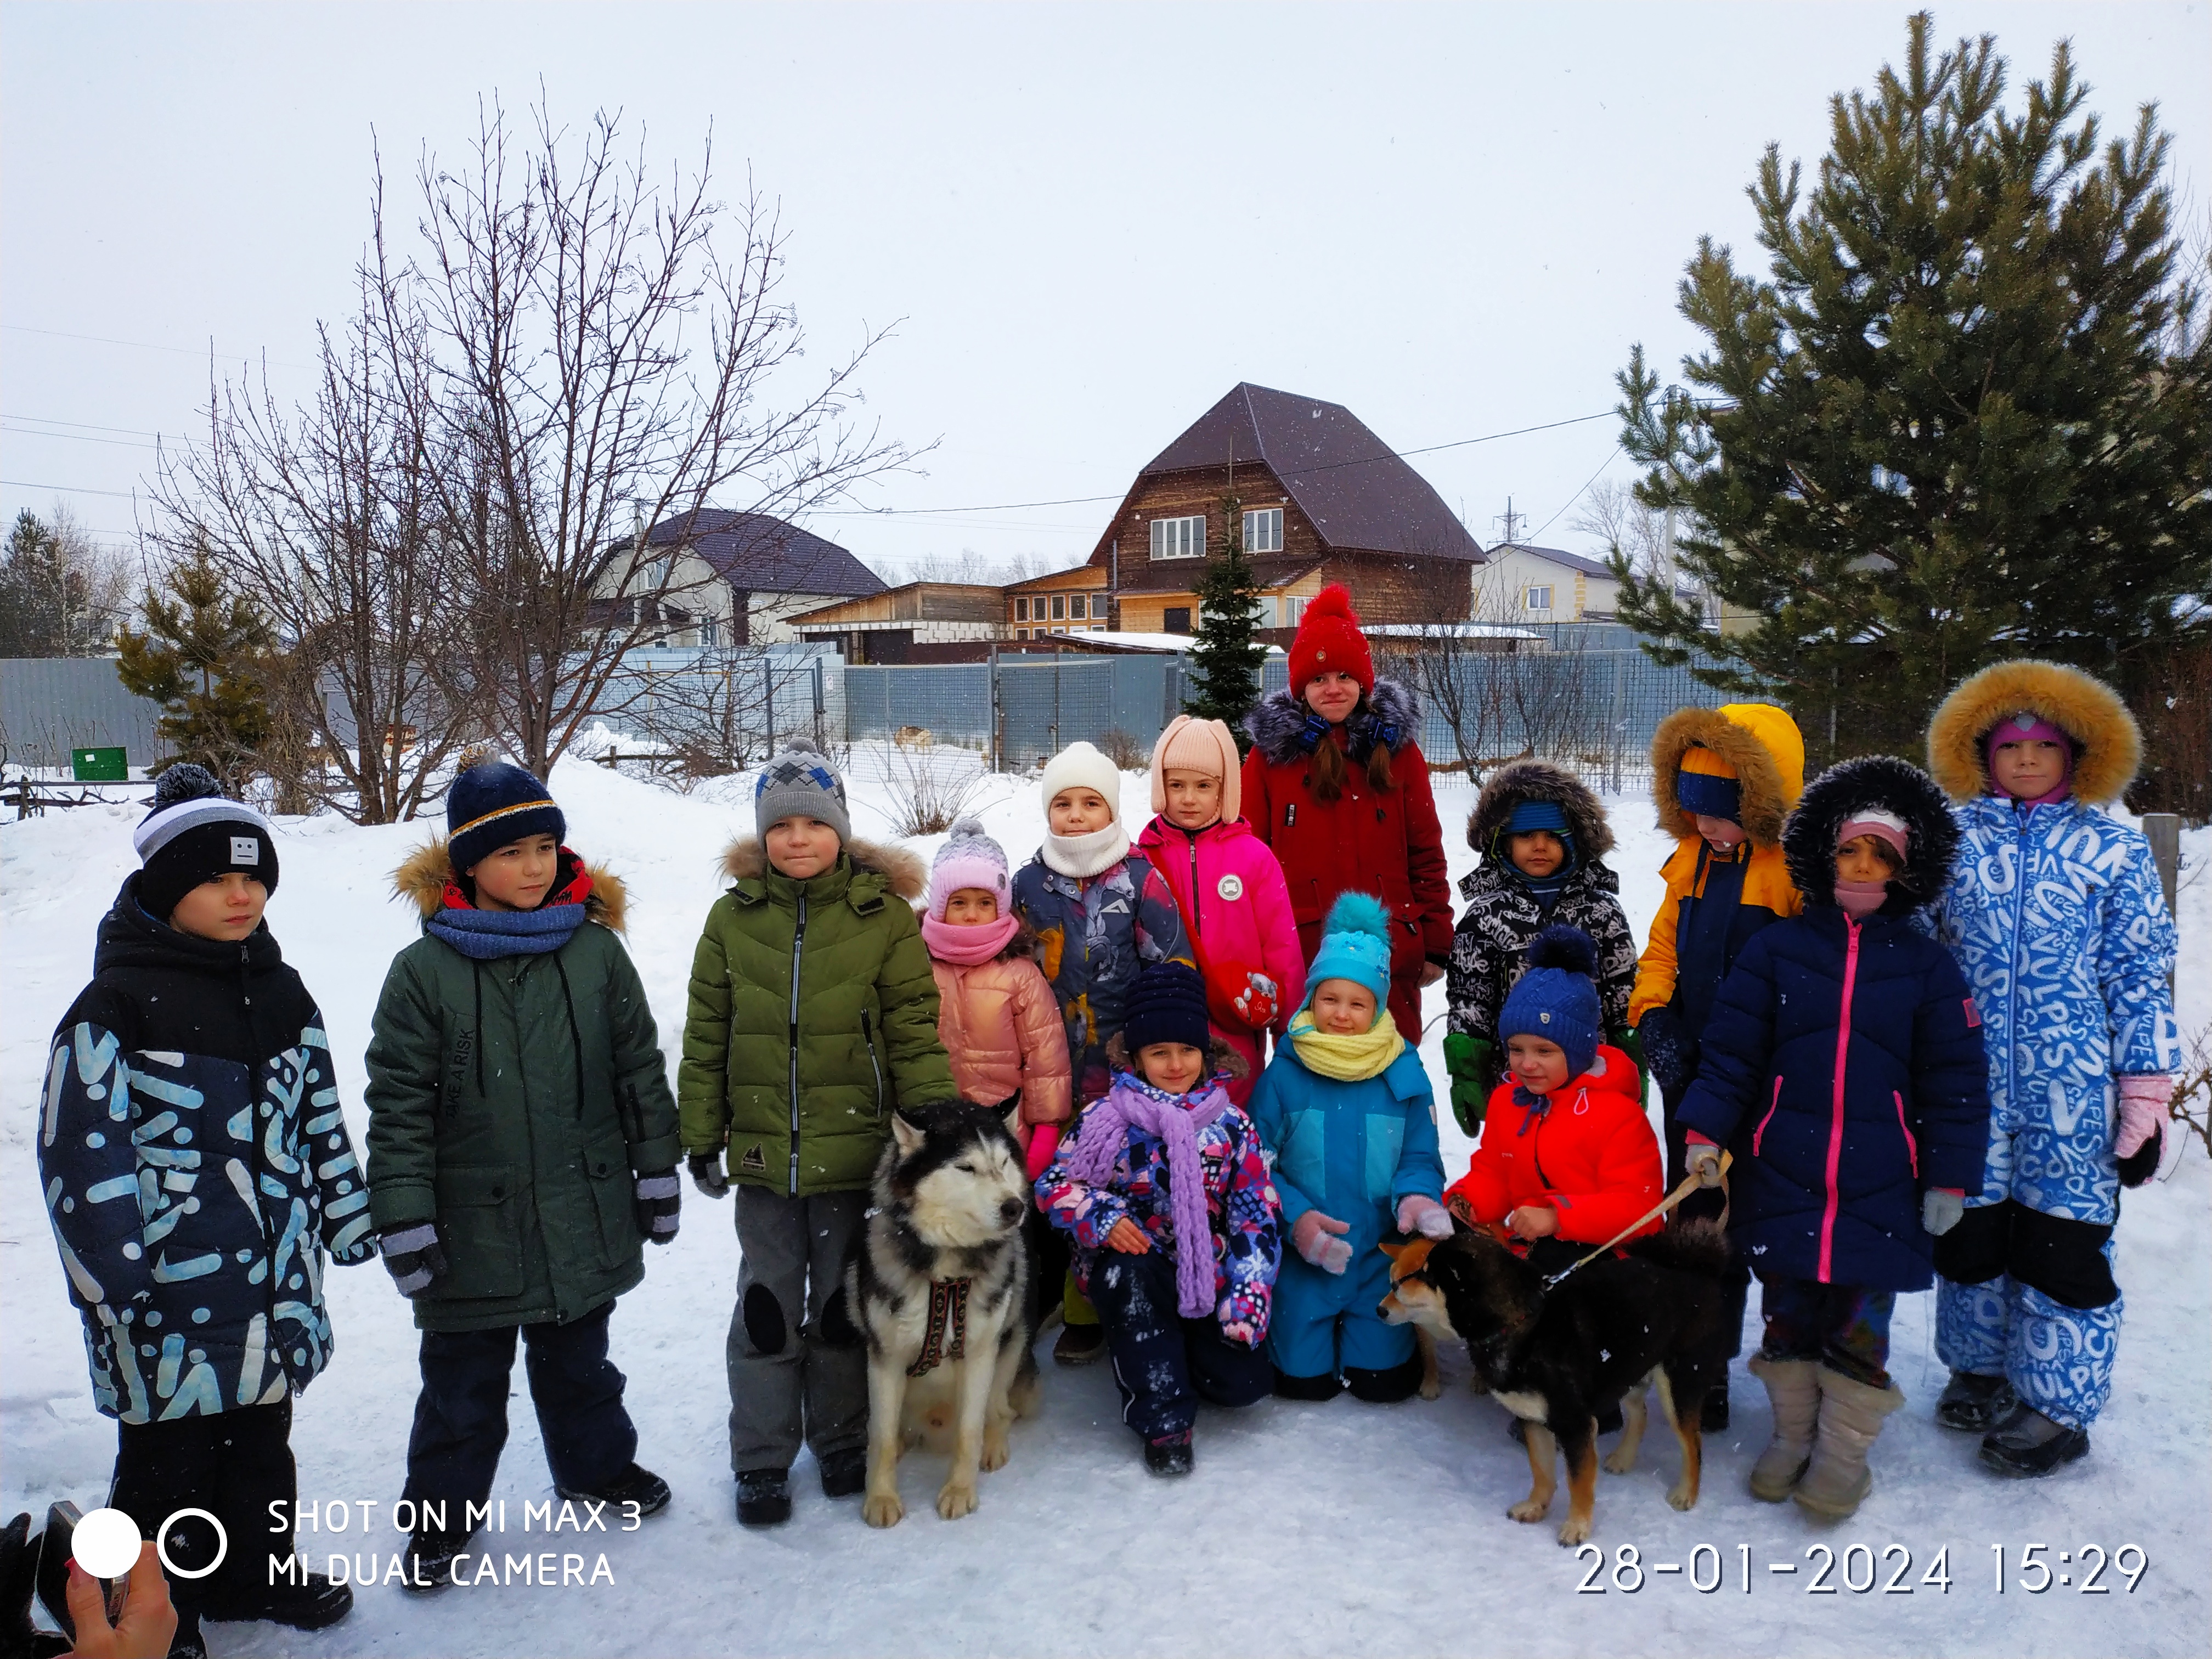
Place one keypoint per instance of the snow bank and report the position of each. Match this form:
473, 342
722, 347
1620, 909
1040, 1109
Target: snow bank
1333, 1530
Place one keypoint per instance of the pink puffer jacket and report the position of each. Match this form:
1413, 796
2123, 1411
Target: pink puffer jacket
1000, 1025
1237, 909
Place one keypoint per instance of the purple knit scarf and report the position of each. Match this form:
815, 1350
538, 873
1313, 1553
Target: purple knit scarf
1175, 1120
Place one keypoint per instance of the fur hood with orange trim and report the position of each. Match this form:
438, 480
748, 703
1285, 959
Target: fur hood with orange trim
2107, 747
1758, 740
421, 881
903, 873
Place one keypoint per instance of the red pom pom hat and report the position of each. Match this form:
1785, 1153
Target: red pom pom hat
1329, 640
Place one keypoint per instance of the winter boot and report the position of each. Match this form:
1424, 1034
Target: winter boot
2027, 1444
1795, 1392
1850, 1422
634, 1484
845, 1474
431, 1552
1169, 1454
1975, 1403
314, 1603
1079, 1345
1327, 1386
763, 1498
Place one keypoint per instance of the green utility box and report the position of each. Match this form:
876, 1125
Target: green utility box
100, 765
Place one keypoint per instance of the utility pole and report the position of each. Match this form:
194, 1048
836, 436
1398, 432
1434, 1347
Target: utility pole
1510, 518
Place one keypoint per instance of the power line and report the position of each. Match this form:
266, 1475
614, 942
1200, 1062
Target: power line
145, 345
1609, 456
68, 489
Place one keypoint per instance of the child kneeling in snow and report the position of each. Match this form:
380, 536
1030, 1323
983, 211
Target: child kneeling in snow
1348, 1112
1163, 1190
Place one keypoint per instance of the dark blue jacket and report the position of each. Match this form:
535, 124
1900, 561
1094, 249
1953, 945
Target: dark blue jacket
1843, 1064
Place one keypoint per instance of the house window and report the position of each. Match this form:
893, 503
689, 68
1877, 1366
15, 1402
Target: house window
1021, 633
1022, 610
1175, 619
1059, 609
1263, 530
709, 631
1075, 607
1098, 627
1179, 538
1540, 597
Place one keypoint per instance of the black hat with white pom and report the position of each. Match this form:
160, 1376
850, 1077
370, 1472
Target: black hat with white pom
196, 833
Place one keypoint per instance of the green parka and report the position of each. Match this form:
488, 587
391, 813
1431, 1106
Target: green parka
813, 1015
512, 1102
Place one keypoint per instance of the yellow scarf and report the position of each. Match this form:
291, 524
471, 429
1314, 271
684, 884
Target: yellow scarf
1352, 1059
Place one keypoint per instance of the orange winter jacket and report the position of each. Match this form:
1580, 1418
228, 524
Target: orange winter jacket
1590, 1155
1002, 1028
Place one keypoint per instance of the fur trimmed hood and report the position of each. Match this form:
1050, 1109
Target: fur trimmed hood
746, 859
1221, 1058
1537, 780
1277, 720
1808, 840
421, 880
2107, 747
1760, 741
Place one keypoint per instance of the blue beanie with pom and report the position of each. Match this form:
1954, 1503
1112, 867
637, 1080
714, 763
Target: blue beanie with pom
1355, 944
1556, 999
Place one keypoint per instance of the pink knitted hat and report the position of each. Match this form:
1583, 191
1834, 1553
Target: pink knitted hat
1191, 744
968, 858
1882, 824
2026, 727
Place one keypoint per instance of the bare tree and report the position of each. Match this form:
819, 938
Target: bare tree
607, 366
721, 711
1611, 515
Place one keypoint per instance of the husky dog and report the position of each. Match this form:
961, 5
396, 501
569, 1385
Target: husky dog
938, 1289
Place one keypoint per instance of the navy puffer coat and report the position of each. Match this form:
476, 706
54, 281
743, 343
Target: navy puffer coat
1843, 1065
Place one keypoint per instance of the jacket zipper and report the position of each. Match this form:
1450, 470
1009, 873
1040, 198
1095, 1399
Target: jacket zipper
1771, 1106
1194, 893
798, 944
1836, 1113
2019, 947
1912, 1146
868, 1037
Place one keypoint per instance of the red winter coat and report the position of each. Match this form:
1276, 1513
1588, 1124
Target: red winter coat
1386, 842
1592, 1155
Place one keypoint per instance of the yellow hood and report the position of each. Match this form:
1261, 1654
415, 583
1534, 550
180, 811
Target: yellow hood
1758, 740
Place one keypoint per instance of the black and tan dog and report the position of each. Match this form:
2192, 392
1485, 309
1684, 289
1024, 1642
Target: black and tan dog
1556, 1358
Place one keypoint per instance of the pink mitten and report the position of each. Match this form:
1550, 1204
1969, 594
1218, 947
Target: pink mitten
2143, 1099
1425, 1216
1317, 1238
1044, 1141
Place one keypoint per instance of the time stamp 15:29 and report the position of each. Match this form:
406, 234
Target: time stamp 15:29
1868, 1570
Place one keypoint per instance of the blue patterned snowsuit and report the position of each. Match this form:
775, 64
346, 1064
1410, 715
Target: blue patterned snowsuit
2056, 919
1351, 1151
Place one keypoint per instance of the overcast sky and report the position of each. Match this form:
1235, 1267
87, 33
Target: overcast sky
1092, 220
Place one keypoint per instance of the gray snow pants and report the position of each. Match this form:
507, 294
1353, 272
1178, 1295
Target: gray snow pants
787, 1385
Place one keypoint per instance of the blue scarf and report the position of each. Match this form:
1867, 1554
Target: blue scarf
486, 935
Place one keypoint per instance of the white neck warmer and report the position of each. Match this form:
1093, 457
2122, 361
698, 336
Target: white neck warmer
1086, 855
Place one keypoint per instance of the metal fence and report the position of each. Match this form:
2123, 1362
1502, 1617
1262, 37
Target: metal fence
1022, 710
736, 702
50, 705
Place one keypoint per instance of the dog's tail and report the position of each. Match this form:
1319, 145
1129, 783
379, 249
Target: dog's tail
1697, 1245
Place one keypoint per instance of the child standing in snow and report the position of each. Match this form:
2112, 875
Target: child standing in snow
1101, 912
2055, 915
1163, 1188
1543, 839
1843, 1068
1229, 887
812, 1018
197, 1167
522, 1149
1346, 1112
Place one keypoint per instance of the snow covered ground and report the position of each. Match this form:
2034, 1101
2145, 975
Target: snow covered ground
1333, 1529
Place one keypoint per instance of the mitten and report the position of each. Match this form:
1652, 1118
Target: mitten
707, 1174
1230, 988
659, 1198
1703, 1160
1939, 1210
1317, 1238
413, 1257
1666, 1051
1257, 1006
1420, 1214
1467, 1060
1044, 1141
2144, 1099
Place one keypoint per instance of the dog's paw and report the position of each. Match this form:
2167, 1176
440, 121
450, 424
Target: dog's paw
1476, 1385
1432, 1387
883, 1508
1682, 1495
1529, 1509
954, 1500
1575, 1531
1620, 1460
996, 1449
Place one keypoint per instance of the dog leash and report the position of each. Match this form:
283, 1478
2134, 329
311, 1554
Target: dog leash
1690, 1184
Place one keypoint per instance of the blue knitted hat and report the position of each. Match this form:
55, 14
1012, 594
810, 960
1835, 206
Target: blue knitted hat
1530, 816
1355, 944
492, 805
1167, 1004
1556, 999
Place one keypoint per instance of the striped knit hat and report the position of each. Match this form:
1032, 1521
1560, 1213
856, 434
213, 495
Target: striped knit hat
196, 833
495, 804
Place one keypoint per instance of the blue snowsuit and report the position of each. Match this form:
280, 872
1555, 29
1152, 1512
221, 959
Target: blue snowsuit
1351, 1151
2056, 919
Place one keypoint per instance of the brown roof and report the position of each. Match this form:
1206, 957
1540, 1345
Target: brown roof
1347, 481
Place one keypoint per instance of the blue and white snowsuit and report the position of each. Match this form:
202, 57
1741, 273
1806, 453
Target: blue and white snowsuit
1352, 1151
2056, 916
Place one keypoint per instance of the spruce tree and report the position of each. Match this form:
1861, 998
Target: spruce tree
204, 659
46, 600
1225, 659
1962, 416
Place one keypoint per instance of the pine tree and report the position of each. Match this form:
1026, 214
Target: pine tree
1962, 417
202, 657
1225, 659
45, 601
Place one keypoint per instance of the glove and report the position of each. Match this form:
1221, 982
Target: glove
1425, 1216
1044, 1141
1467, 1060
1630, 1043
1255, 1006
1939, 1210
413, 1257
1317, 1238
1668, 1052
707, 1174
660, 1198
1703, 1160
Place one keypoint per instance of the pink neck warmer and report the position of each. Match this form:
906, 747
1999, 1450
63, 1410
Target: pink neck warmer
1861, 899
963, 947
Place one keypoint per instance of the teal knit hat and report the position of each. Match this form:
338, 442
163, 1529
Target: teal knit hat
1355, 944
